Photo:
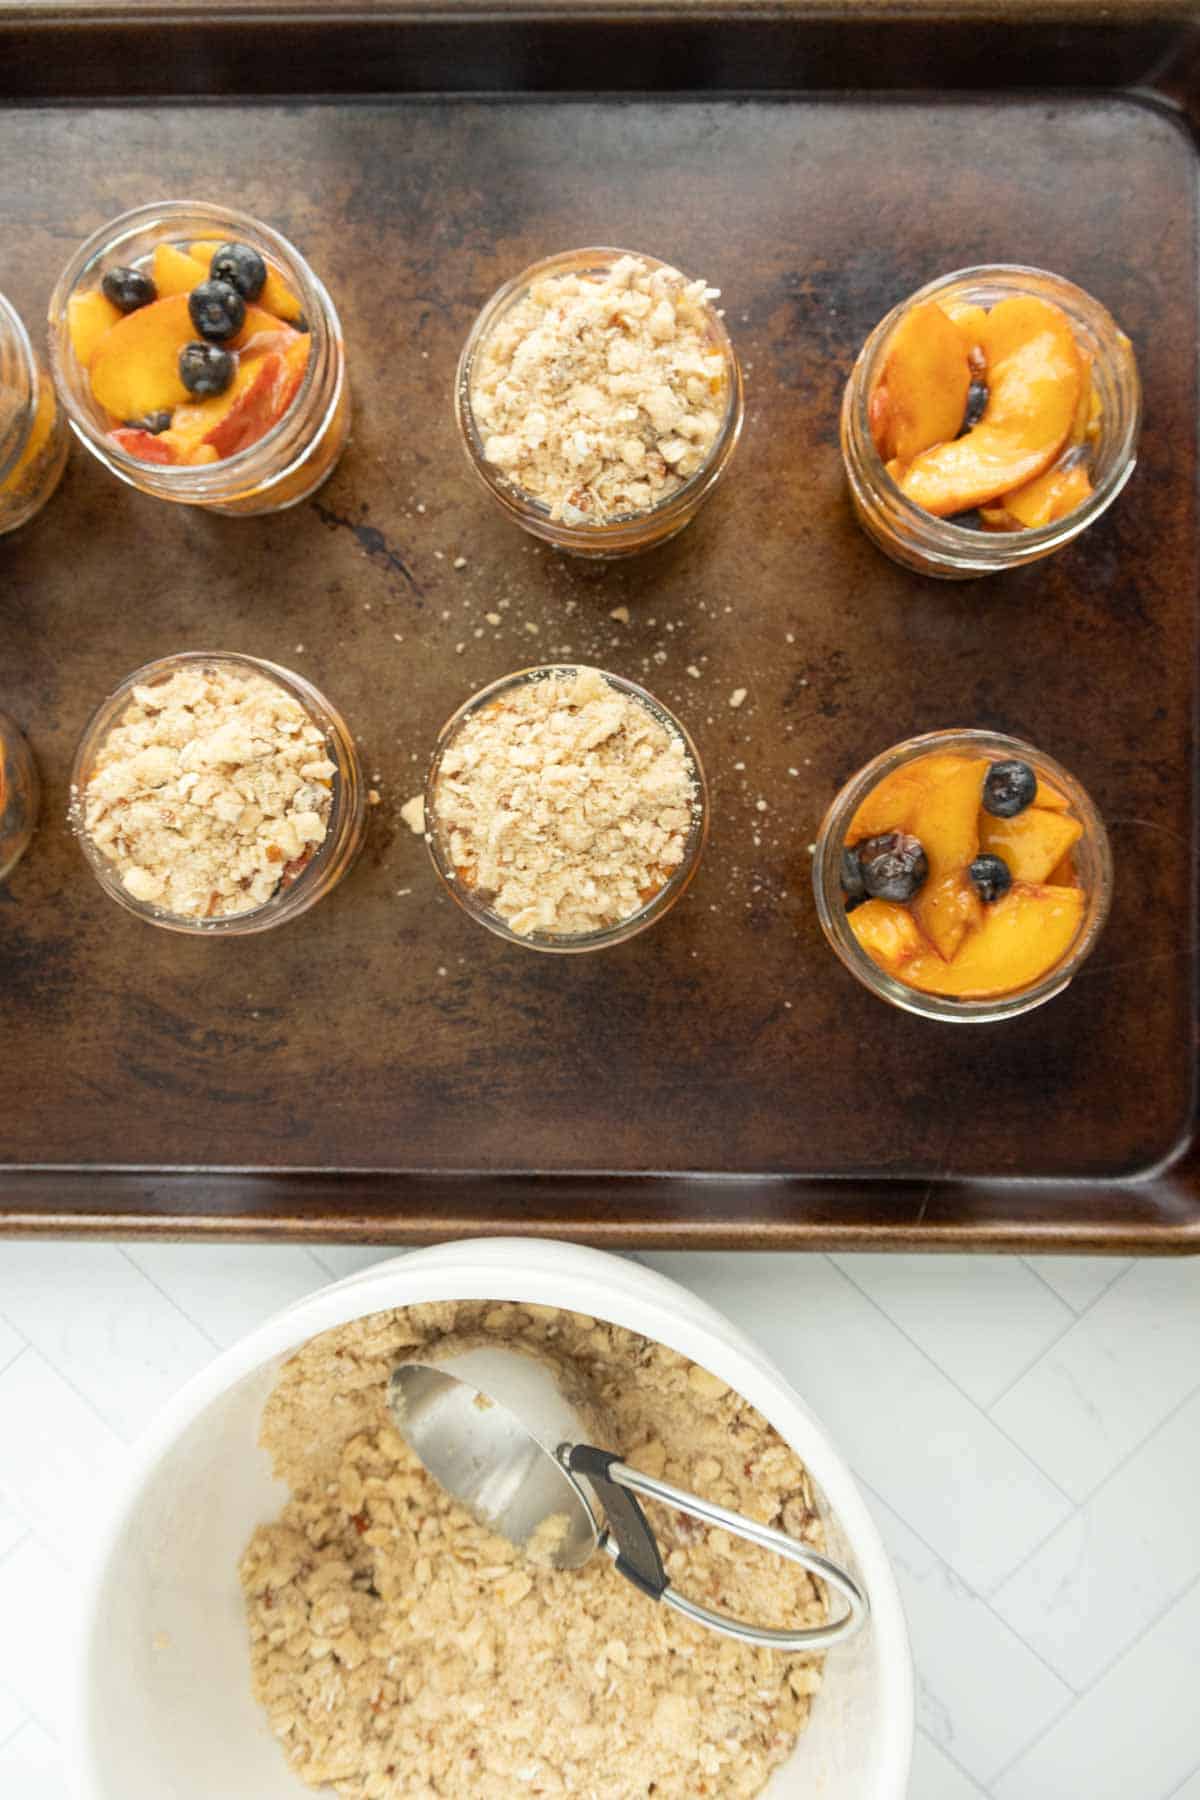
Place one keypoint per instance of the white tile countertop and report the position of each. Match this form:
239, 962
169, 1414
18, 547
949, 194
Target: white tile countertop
1027, 1431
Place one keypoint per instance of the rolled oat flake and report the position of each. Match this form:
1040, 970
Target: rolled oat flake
510, 1437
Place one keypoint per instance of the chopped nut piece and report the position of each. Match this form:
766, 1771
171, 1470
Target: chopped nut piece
737, 697
620, 614
413, 814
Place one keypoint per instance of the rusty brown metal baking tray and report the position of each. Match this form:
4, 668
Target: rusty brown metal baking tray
383, 1069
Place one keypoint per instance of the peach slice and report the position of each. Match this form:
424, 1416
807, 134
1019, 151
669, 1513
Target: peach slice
1048, 497
970, 321
276, 298
1033, 390
135, 370
145, 445
946, 820
1022, 937
891, 804
1050, 796
90, 317
44, 416
946, 910
1032, 843
921, 394
887, 932
1087, 394
175, 272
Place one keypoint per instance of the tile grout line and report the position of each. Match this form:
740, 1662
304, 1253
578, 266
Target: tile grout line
194, 1323
952, 1760
26, 1537
1094, 1493
1042, 1354
20, 1724
973, 1404
1096, 1298
32, 1350
1128, 1651
973, 1593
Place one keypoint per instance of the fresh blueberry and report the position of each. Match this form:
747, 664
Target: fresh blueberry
153, 423
206, 369
853, 885
990, 877
1008, 789
977, 399
128, 288
218, 310
893, 865
242, 267
300, 323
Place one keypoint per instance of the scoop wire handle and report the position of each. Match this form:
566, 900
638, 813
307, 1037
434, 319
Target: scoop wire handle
810, 1638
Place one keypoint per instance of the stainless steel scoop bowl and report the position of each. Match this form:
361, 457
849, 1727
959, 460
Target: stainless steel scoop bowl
496, 1428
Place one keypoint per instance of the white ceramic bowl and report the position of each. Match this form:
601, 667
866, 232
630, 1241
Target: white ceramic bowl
160, 1700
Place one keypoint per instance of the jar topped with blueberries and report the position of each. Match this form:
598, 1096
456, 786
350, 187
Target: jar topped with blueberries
963, 875
200, 359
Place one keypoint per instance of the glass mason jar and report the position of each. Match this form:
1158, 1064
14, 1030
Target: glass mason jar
20, 795
1091, 856
291, 460
631, 533
33, 430
344, 831
477, 907
935, 546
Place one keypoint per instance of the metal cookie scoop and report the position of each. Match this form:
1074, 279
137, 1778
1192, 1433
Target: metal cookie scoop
498, 1429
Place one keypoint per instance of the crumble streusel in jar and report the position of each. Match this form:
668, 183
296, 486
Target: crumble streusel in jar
600, 399
217, 793
565, 808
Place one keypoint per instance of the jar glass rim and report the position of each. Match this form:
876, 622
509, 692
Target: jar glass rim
286, 902
510, 292
16, 426
606, 935
965, 540
315, 305
830, 900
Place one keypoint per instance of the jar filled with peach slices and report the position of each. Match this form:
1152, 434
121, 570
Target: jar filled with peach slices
33, 432
963, 875
200, 359
989, 419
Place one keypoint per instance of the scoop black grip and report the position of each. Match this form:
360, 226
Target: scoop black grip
639, 1560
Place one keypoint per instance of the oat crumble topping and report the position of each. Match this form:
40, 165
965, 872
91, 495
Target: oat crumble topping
402, 1651
565, 803
601, 395
211, 789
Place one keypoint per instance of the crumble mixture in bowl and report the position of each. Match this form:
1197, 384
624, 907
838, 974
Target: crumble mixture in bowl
599, 400
218, 793
565, 808
402, 1651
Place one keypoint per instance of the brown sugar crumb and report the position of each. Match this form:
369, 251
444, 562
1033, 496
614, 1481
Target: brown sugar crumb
401, 1651
212, 789
565, 804
602, 394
